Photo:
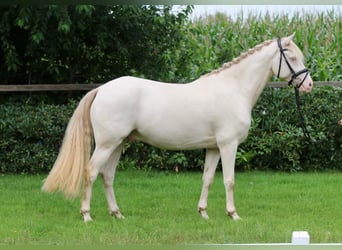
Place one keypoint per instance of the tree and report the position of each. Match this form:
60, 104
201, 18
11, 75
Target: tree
86, 43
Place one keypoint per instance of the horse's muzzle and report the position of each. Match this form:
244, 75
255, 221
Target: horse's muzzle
307, 85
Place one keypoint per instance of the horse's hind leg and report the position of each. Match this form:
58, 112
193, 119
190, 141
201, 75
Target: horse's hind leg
212, 157
108, 174
100, 158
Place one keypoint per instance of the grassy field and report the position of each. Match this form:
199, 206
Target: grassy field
160, 208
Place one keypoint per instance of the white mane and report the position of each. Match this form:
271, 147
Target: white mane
237, 60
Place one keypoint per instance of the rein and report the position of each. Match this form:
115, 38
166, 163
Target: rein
301, 117
296, 88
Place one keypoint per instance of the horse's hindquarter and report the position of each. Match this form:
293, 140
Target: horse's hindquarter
171, 116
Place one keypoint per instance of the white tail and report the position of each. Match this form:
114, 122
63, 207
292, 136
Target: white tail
68, 171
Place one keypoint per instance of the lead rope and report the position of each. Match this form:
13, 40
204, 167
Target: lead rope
302, 119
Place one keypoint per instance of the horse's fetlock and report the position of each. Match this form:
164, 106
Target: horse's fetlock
203, 212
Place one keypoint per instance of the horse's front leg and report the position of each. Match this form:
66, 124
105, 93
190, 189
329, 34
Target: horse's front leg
228, 155
212, 157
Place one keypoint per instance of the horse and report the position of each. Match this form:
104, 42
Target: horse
340, 122
212, 112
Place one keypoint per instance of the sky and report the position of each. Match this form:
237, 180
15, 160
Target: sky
234, 10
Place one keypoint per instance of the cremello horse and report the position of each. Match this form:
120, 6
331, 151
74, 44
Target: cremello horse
212, 112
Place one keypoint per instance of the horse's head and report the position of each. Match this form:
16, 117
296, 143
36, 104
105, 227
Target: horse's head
289, 64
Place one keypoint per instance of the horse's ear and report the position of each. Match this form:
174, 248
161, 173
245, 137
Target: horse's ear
288, 39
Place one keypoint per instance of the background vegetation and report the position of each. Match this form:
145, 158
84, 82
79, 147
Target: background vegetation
86, 44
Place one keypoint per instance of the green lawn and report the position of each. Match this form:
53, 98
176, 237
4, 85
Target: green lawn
160, 208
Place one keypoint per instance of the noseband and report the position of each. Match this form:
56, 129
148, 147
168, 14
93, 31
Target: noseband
294, 74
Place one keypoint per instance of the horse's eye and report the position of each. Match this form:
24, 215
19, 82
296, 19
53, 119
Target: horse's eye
293, 58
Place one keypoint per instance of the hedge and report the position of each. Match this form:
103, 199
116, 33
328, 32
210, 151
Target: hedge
31, 134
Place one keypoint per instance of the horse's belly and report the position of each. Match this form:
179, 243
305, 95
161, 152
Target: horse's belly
172, 141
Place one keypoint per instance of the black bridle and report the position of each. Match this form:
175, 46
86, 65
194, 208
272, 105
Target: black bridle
294, 73
296, 88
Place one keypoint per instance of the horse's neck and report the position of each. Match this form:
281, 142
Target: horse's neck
252, 73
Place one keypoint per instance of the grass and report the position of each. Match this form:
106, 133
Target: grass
160, 208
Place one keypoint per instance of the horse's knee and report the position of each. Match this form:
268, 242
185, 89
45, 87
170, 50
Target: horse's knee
229, 184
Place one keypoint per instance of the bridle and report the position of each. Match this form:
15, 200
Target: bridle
294, 74
296, 87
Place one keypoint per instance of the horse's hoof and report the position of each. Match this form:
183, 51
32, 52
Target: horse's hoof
203, 213
86, 215
117, 215
87, 218
234, 216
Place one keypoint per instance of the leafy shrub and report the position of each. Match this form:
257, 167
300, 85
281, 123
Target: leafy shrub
31, 134
276, 140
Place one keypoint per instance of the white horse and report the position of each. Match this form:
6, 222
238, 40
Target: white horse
212, 112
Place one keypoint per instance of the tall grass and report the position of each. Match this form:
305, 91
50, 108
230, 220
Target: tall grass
215, 39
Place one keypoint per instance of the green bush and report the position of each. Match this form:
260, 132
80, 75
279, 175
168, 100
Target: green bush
31, 134
276, 140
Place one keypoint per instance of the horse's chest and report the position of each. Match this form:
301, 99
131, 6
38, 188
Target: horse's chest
234, 127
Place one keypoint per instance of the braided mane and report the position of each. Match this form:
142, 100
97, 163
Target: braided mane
237, 60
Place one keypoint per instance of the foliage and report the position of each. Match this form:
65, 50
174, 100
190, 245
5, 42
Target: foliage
85, 43
31, 134
276, 139
216, 39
